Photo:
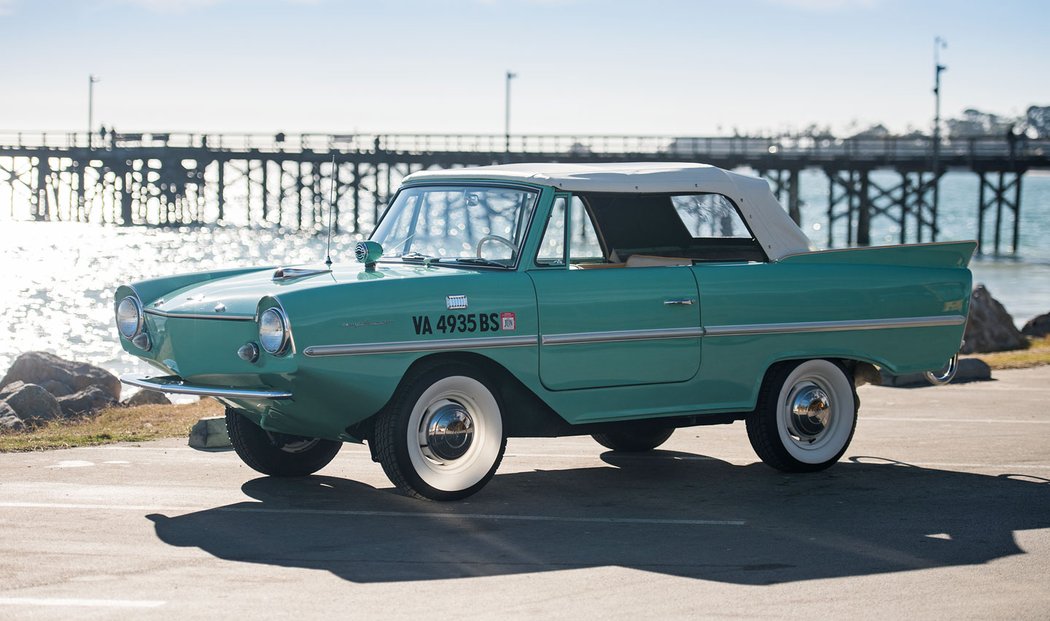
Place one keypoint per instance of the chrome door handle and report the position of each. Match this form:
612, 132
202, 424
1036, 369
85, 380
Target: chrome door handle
679, 302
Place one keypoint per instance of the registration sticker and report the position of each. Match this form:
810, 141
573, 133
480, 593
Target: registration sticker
507, 321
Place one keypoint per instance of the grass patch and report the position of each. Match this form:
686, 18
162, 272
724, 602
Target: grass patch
1037, 354
115, 424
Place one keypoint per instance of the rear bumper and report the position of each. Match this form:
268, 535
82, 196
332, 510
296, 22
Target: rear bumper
177, 385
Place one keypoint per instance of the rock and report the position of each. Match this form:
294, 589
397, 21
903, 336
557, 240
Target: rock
9, 389
37, 367
1037, 326
210, 433
990, 328
147, 397
9, 421
30, 402
91, 399
59, 389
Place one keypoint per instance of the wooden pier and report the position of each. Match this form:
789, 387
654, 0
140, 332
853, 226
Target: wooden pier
286, 180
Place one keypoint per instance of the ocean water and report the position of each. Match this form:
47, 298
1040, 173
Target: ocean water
957, 217
57, 295
59, 278
1021, 282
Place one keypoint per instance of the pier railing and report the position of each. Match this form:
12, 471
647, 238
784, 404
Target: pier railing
782, 147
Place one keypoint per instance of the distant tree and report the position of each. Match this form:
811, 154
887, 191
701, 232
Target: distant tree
875, 131
912, 133
1037, 119
814, 130
975, 123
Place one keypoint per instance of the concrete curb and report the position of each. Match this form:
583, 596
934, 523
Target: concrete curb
210, 433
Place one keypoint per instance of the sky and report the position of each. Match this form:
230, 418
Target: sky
583, 66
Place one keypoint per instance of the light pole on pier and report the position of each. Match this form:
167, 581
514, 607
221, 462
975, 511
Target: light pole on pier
506, 119
938, 45
91, 109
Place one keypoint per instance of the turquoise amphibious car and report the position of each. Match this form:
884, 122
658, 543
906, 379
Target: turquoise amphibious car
619, 300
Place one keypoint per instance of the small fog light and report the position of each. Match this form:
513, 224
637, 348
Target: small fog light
142, 341
248, 352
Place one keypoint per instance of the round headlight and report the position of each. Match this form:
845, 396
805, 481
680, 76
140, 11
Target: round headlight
129, 317
273, 331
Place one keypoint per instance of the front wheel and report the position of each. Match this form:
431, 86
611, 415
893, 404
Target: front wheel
276, 454
442, 437
805, 418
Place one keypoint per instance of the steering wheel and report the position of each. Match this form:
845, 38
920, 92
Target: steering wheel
496, 238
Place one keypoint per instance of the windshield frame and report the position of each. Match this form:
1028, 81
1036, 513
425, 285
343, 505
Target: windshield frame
539, 191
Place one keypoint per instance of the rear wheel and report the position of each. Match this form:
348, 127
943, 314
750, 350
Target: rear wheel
442, 437
634, 438
277, 454
805, 418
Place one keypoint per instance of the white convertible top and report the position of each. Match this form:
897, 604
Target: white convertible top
777, 233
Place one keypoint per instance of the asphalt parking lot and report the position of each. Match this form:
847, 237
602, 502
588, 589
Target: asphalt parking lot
940, 509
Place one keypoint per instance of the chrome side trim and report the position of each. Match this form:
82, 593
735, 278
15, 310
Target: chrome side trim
176, 385
399, 347
618, 336
215, 316
836, 326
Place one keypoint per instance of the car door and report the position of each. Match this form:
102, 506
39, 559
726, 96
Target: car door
604, 325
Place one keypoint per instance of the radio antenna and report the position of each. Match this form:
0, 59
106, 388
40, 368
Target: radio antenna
331, 206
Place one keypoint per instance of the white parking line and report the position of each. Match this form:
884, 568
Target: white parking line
82, 603
938, 464
739, 461
385, 514
359, 448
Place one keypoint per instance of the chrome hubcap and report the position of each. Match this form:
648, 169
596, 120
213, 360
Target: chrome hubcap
810, 413
449, 430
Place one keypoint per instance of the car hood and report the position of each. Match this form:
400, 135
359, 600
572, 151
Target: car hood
238, 295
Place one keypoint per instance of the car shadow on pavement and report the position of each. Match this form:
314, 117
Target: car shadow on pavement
674, 513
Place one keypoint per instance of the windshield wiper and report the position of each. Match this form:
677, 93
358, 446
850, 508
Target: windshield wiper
427, 259
476, 261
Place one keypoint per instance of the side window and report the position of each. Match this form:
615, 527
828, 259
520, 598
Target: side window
552, 246
710, 216
583, 240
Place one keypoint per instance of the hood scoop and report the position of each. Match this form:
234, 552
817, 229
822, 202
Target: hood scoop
292, 273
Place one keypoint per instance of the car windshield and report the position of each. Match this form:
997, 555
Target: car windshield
457, 224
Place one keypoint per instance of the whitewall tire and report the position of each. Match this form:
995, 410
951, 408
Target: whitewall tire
805, 417
442, 437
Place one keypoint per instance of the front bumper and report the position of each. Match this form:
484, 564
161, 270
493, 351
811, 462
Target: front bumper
177, 385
